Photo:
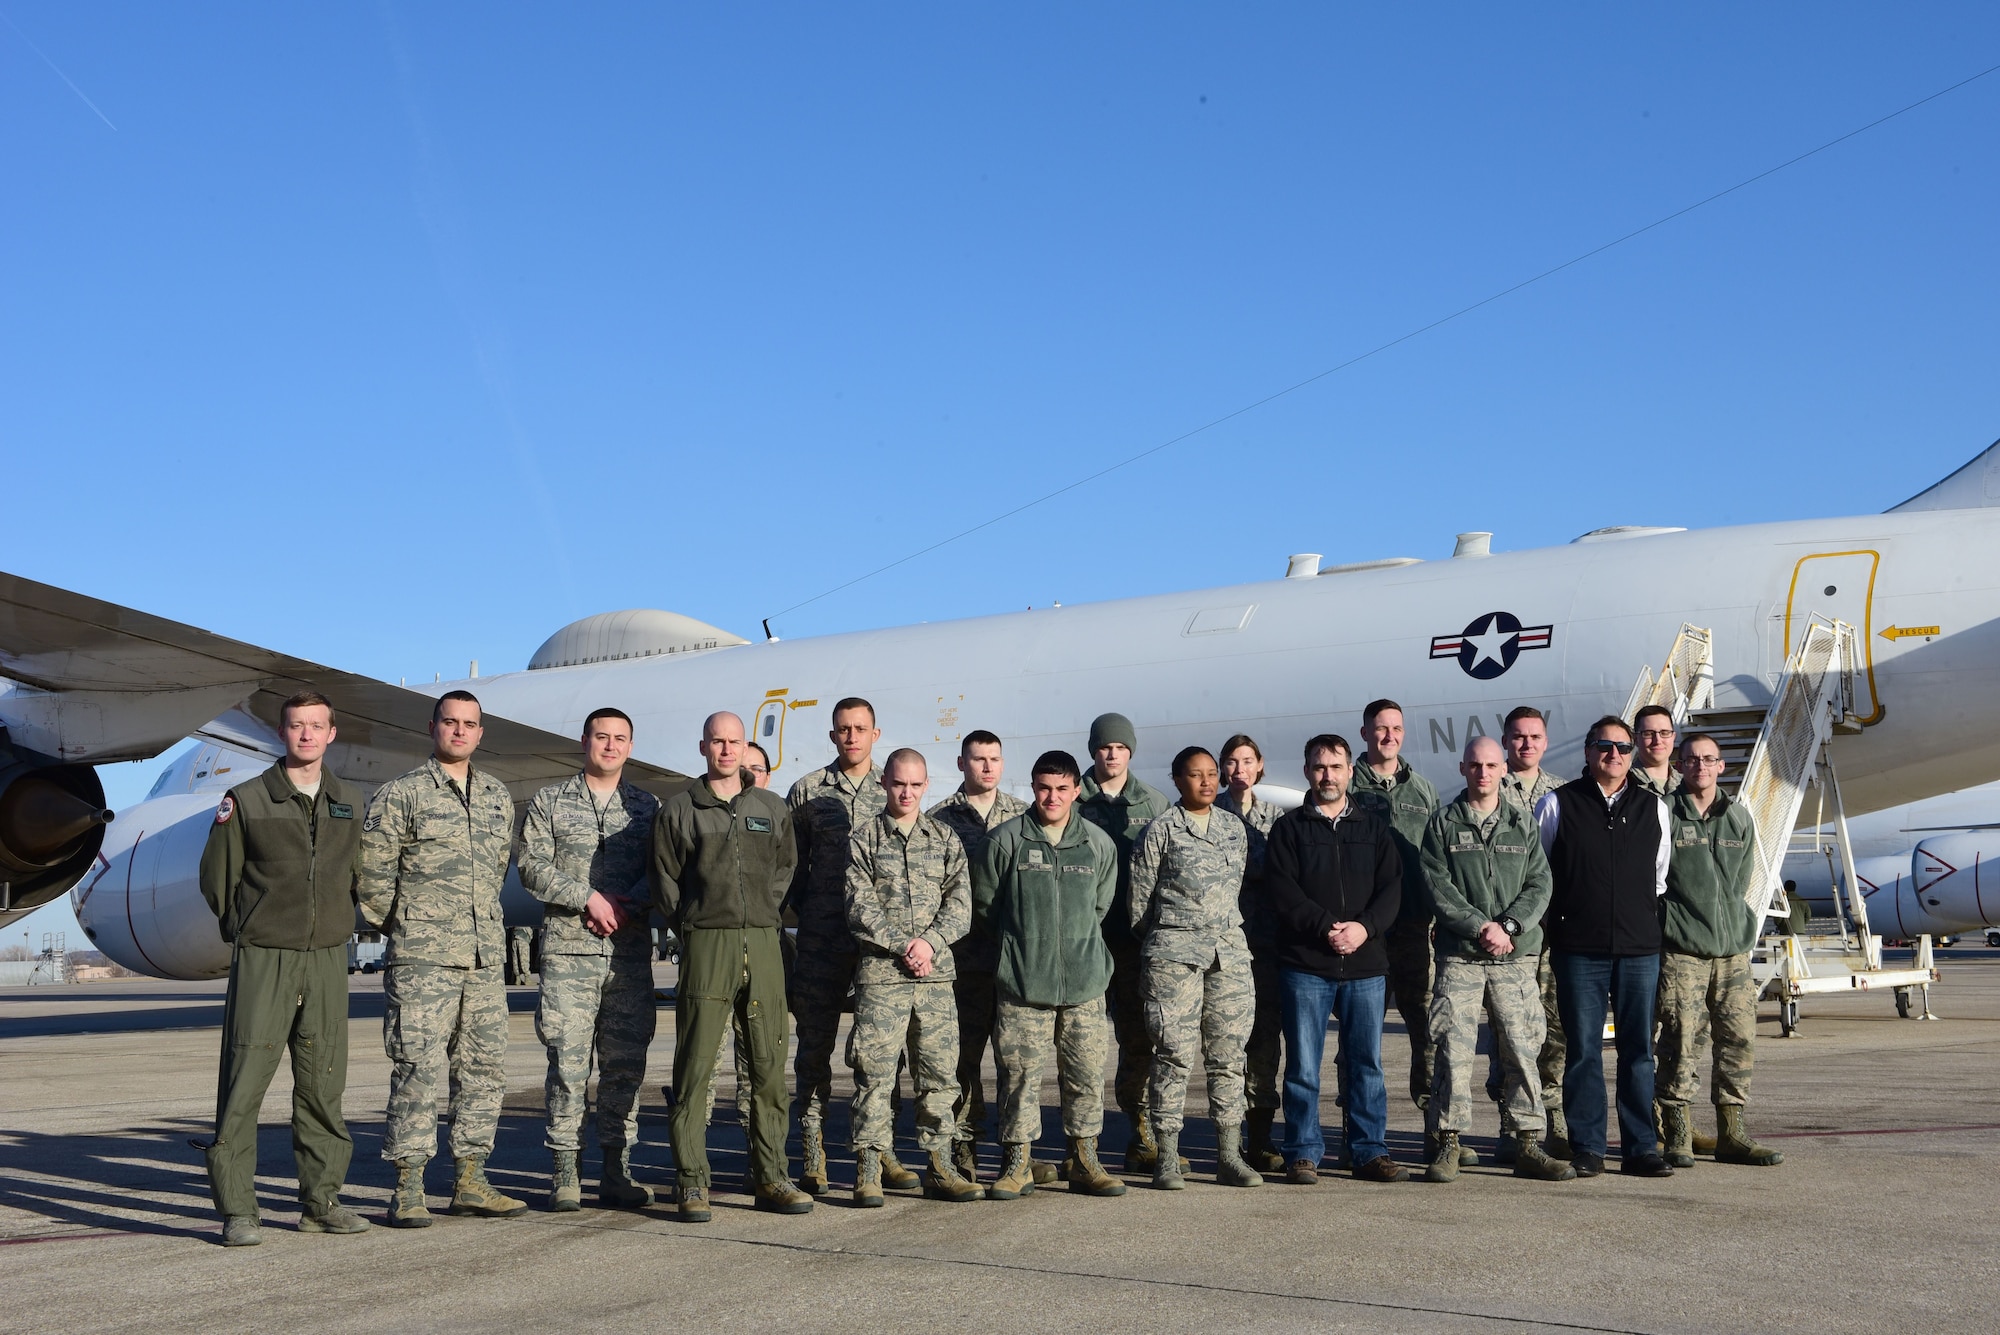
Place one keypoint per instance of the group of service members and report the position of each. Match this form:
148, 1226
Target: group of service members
1215, 930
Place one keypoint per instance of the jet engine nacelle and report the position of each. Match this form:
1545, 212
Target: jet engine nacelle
52, 819
142, 906
1949, 875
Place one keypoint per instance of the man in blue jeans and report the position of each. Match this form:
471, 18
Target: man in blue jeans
1334, 881
1608, 842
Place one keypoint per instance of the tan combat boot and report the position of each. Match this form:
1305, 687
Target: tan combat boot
692, 1204
615, 1187
1261, 1153
1531, 1160
1556, 1143
1017, 1173
1699, 1142
1142, 1152
471, 1193
1167, 1174
965, 1159
1086, 1174
406, 1207
896, 1177
812, 1162
1444, 1159
867, 1181
1045, 1173
1676, 1135
942, 1182
1733, 1143
1231, 1168
565, 1190
782, 1198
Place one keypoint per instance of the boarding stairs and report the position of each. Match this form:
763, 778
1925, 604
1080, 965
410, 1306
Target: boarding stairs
1776, 755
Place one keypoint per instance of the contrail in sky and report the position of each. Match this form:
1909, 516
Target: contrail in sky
59, 74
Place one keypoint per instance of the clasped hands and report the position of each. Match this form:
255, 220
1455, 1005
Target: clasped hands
604, 915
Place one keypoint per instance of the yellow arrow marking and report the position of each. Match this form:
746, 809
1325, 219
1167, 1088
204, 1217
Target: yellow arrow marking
1895, 633
803, 704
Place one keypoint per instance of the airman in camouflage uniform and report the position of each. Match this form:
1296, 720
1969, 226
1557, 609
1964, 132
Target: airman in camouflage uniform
434, 852
828, 806
978, 955
1653, 767
1187, 873
1488, 881
1526, 740
1705, 981
597, 987
908, 899
1263, 1057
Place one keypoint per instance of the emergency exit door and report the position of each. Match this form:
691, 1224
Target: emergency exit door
768, 731
1839, 586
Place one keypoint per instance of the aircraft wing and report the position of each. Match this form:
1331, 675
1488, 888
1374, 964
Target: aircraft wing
91, 682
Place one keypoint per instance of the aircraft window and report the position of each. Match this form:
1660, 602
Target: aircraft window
159, 785
770, 724
1830, 590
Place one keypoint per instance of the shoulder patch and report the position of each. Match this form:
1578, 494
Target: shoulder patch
225, 809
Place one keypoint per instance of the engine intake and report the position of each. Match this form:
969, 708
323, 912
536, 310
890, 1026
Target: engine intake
52, 819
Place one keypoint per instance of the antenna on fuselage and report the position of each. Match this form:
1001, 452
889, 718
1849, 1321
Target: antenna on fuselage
769, 638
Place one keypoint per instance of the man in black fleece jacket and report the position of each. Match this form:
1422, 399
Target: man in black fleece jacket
1334, 879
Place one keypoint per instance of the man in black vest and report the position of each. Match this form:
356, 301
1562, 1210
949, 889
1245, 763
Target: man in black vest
1609, 846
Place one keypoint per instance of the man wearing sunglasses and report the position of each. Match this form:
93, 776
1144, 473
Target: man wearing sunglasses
1609, 850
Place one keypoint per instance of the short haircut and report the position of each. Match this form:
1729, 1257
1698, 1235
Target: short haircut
1059, 763
852, 702
1608, 721
1519, 712
758, 747
977, 737
902, 754
606, 712
1186, 756
1375, 707
1647, 711
437, 709
1328, 741
304, 700
1239, 740
1694, 737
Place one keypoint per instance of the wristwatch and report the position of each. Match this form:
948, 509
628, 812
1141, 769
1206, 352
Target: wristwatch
1511, 926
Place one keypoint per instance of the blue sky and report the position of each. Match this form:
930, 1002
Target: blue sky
396, 336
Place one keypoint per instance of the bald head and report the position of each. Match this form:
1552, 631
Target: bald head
722, 745
1482, 767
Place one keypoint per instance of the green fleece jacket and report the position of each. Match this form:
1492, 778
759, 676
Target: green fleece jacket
1044, 903
722, 862
1475, 876
1714, 860
279, 868
1407, 802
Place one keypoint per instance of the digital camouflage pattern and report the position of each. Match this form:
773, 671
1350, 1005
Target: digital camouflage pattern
1514, 792
827, 808
1662, 790
1185, 888
1198, 1013
917, 1016
1507, 989
1407, 801
902, 888
1123, 816
1263, 1055
573, 844
1024, 1038
1706, 999
603, 1003
444, 1026
977, 955
822, 978
433, 859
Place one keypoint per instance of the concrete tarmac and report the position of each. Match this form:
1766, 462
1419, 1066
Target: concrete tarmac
1881, 1217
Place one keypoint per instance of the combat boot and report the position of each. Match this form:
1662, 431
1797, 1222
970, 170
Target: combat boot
1467, 1156
1444, 1159
1017, 1176
1676, 1137
565, 1191
812, 1161
332, 1217
471, 1193
1142, 1152
1507, 1148
867, 1181
1045, 1173
1167, 1161
692, 1203
1698, 1142
1556, 1143
1231, 1168
782, 1198
943, 1183
242, 1230
965, 1159
1531, 1160
1087, 1175
406, 1207
615, 1187
896, 1177
1733, 1143
1262, 1154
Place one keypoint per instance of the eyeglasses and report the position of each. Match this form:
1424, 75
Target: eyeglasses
1656, 734
1605, 748
1705, 762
